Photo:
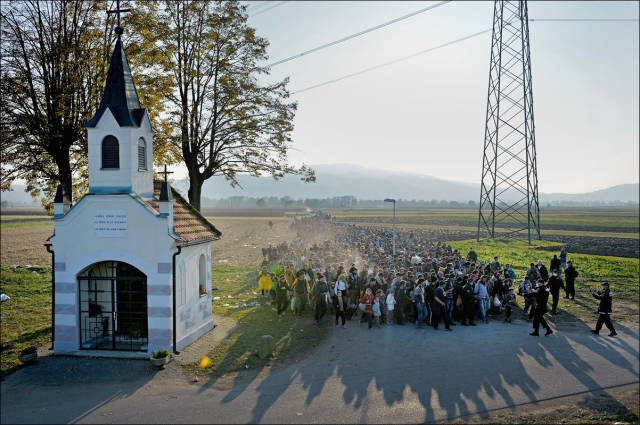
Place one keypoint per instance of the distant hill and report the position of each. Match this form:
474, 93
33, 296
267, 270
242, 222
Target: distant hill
364, 184
345, 180
619, 193
367, 183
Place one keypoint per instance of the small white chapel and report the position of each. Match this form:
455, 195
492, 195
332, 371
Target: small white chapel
132, 257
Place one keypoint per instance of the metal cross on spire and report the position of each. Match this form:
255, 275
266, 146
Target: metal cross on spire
118, 11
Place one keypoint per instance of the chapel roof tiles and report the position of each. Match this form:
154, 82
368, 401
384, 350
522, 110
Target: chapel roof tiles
189, 224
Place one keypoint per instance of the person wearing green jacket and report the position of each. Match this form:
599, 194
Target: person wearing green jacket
300, 289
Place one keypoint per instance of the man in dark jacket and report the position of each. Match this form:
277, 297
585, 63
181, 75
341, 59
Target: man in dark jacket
440, 307
555, 263
542, 271
320, 297
533, 274
604, 309
401, 299
467, 303
340, 307
555, 283
570, 274
472, 256
542, 296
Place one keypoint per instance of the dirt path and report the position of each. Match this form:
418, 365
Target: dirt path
243, 238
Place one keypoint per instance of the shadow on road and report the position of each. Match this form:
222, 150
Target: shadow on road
33, 394
379, 375
446, 374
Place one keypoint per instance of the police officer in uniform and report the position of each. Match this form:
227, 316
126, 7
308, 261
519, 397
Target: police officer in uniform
555, 283
542, 295
604, 309
570, 274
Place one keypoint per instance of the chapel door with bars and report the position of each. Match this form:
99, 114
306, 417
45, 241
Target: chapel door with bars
113, 307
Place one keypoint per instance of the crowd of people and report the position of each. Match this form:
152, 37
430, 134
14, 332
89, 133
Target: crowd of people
426, 283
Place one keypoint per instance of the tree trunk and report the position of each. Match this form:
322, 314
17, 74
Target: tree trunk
195, 189
65, 175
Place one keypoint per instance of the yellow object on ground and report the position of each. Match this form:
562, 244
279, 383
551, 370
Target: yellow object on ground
205, 362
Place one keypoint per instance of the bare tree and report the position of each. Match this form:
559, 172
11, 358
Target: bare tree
225, 121
54, 57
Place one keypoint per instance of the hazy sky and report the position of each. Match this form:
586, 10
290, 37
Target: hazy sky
426, 114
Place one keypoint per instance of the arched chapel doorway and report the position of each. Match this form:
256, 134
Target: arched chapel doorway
113, 307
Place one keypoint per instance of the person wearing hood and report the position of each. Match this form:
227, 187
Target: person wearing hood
542, 271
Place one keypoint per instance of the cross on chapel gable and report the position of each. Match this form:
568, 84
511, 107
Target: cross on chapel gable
165, 172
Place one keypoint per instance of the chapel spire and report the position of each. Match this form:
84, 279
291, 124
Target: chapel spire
120, 95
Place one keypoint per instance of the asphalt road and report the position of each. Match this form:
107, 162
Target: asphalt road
393, 374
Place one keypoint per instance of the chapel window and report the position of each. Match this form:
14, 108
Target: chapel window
202, 275
142, 155
110, 152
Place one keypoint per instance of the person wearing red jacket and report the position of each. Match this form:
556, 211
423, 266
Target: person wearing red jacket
367, 300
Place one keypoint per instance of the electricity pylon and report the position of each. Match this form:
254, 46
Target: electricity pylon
509, 187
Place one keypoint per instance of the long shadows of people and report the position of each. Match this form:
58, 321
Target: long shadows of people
400, 373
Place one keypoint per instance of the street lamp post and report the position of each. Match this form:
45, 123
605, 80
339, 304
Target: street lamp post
393, 223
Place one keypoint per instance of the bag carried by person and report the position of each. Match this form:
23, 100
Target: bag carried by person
362, 307
496, 302
458, 301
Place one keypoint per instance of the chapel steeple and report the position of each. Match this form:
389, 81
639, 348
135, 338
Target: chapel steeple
120, 95
119, 134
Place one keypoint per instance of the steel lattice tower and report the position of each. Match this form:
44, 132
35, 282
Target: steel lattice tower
509, 188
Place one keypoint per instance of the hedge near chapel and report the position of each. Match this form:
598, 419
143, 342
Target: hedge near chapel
132, 257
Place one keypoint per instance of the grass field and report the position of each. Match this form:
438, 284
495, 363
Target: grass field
239, 298
15, 221
622, 273
473, 229
623, 220
26, 317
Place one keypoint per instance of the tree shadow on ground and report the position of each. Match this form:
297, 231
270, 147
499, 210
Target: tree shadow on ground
90, 382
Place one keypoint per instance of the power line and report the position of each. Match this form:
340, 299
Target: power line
268, 8
431, 49
256, 5
349, 37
